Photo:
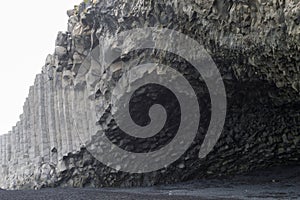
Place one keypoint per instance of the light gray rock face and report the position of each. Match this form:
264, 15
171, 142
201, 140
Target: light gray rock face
255, 44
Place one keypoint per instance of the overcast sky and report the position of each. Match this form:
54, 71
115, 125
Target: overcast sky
27, 35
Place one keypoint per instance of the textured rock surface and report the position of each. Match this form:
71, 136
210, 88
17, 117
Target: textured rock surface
256, 47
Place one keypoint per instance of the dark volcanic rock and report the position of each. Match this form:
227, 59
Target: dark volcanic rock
255, 45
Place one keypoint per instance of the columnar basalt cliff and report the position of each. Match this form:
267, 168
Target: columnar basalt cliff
255, 44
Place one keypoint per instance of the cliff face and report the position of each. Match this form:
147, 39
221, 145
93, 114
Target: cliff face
255, 45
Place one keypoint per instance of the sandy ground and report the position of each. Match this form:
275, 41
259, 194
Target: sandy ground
276, 183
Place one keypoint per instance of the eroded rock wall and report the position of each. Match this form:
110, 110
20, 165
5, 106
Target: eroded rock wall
255, 45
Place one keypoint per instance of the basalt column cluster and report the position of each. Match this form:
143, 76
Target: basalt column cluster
255, 45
